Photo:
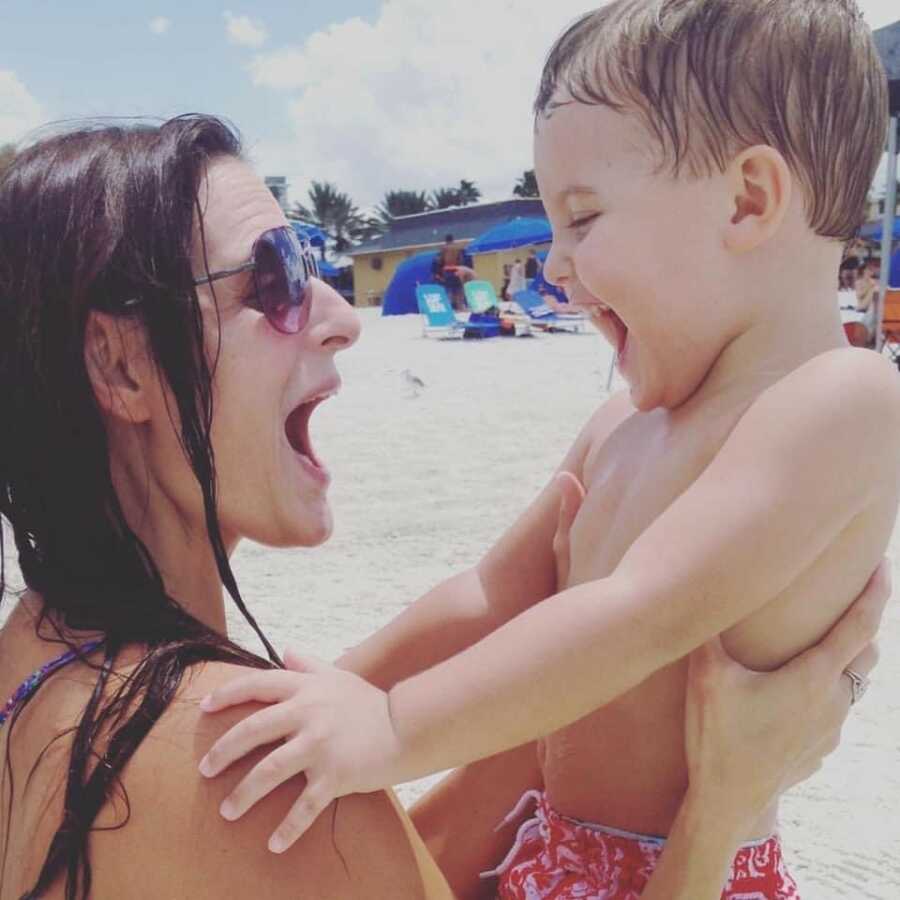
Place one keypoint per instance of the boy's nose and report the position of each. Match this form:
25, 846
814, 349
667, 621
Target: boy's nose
555, 270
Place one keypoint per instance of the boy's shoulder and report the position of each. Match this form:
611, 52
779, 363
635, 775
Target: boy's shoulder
844, 385
839, 410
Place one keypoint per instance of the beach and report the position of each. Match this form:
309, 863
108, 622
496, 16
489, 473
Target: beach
426, 479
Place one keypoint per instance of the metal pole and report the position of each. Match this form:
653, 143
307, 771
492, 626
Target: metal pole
887, 227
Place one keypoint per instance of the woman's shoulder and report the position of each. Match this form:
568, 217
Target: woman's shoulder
176, 839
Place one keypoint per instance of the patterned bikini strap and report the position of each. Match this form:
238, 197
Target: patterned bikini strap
33, 681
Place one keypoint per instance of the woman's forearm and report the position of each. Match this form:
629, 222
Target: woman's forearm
698, 854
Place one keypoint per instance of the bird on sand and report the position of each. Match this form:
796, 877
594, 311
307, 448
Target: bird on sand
413, 382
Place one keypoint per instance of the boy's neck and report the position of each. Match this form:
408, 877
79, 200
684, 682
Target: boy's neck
793, 317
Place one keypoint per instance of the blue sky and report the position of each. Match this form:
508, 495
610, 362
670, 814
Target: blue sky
370, 94
101, 57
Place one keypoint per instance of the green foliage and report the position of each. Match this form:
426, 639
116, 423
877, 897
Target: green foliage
402, 203
527, 185
335, 213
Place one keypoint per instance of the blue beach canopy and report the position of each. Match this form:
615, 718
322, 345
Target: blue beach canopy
312, 233
400, 296
327, 270
517, 232
874, 230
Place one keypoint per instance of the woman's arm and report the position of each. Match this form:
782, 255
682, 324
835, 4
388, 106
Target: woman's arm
751, 736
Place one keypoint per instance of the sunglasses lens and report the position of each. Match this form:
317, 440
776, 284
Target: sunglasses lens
283, 270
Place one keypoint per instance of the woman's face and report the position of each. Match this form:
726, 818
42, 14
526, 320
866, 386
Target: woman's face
271, 486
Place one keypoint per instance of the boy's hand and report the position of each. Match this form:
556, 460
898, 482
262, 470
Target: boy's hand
335, 727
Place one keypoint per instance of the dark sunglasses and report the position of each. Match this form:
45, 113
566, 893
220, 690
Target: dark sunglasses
283, 264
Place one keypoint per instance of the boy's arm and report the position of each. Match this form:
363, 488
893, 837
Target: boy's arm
773, 500
517, 572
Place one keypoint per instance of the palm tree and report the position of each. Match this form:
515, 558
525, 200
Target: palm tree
468, 193
333, 212
527, 185
402, 203
441, 198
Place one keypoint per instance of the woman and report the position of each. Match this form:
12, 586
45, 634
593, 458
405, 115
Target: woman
162, 346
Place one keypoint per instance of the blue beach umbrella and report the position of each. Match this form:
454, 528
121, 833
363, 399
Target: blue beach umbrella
518, 232
400, 296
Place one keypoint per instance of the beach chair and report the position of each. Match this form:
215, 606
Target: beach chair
441, 321
542, 314
480, 296
482, 299
890, 324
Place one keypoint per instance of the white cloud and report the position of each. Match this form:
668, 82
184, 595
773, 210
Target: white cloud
160, 25
20, 112
879, 12
417, 99
243, 30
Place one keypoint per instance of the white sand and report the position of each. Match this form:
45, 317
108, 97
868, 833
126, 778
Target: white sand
424, 484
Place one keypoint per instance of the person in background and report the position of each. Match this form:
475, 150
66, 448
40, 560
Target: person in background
516, 279
449, 259
532, 267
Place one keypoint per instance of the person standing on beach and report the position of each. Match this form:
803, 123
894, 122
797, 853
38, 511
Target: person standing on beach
516, 279
713, 510
532, 267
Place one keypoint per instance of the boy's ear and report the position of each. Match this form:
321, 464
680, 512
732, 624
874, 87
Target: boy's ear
118, 366
760, 183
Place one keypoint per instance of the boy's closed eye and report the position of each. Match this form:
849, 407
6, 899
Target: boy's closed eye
581, 221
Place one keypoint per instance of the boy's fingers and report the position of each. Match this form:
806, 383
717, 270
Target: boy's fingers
303, 662
303, 813
273, 770
271, 686
263, 727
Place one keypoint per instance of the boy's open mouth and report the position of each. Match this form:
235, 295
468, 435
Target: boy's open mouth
611, 327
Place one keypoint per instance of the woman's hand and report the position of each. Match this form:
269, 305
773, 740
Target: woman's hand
334, 727
750, 736
571, 495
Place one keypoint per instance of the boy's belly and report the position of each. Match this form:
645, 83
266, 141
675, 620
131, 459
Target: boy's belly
624, 764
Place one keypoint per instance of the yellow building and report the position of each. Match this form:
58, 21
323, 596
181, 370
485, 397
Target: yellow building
375, 262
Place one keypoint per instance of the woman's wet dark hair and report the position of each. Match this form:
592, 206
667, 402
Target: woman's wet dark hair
89, 220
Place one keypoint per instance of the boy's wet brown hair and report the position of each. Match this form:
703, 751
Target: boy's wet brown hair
712, 77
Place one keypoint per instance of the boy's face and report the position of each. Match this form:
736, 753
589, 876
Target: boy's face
640, 242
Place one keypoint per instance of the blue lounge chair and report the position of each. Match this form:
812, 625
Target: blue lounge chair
441, 321
542, 314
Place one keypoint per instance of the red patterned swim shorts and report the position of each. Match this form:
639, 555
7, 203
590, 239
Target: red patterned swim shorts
558, 858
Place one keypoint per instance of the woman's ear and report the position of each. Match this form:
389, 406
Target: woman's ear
118, 366
760, 184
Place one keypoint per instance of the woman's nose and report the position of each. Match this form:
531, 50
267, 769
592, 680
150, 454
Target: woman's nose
334, 324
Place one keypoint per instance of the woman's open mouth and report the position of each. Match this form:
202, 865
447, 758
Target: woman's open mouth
296, 430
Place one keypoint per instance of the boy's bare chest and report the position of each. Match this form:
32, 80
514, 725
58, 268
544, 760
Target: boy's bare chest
645, 465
